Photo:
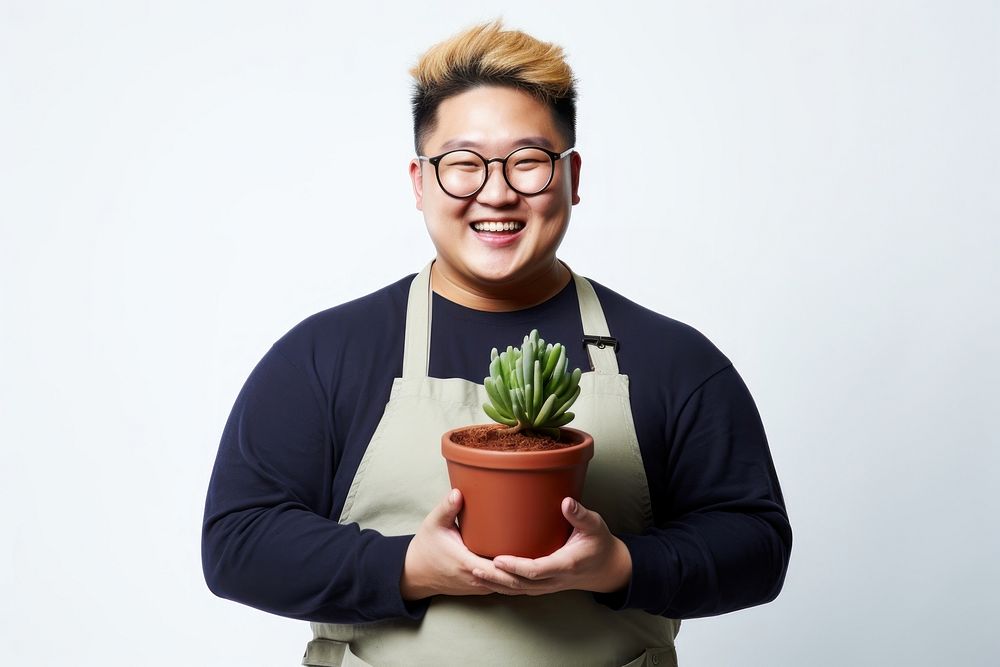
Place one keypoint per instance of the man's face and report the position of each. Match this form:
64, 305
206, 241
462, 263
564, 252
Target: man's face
493, 121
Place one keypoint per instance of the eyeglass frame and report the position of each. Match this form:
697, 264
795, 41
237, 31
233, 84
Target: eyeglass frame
553, 158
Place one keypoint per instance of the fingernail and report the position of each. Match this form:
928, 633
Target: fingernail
573, 506
453, 497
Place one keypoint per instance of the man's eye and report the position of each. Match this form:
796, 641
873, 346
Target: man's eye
527, 164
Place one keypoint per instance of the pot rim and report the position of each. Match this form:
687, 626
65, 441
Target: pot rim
563, 457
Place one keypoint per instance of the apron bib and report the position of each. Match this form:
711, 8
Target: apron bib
402, 476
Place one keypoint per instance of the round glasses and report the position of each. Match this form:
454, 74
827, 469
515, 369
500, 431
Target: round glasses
463, 173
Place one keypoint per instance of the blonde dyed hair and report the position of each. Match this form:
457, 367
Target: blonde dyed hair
487, 54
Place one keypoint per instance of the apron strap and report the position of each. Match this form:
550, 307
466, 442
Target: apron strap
416, 341
416, 338
602, 357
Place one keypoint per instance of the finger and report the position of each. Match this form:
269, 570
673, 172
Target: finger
581, 518
524, 587
532, 569
504, 583
445, 512
474, 562
492, 575
490, 587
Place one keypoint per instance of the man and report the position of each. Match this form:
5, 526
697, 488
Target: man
329, 500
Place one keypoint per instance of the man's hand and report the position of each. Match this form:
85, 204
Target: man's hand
591, 560
438, 562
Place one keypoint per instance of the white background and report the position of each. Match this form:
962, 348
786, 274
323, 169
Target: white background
813, 185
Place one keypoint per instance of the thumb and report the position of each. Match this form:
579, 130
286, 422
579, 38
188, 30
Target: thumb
446, 511
580, 517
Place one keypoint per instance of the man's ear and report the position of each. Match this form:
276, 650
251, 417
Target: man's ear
417, 178
575, 161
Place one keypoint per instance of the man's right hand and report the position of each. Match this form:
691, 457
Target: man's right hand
437, 560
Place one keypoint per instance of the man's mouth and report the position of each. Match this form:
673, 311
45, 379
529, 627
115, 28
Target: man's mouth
498, 226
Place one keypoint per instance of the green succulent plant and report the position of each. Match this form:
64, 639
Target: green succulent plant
531, 388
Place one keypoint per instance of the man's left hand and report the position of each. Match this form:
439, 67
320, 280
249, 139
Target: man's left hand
591, 560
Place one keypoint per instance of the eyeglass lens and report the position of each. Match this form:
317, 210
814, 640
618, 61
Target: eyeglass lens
462, 173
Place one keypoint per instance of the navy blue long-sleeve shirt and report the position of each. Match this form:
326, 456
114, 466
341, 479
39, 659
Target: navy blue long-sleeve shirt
305, 415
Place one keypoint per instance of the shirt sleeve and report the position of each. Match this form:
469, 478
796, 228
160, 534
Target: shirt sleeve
267, 539
724, 541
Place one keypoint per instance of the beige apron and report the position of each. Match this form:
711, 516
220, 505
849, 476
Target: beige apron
402, 476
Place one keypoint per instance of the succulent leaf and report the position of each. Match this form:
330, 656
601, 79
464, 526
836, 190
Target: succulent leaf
536, 400
566, 418
574, 380
562, 384
546, 411
519, 392
496, 396
526, 367
497, 417
551, 358
504, 393
517, 407
565, 404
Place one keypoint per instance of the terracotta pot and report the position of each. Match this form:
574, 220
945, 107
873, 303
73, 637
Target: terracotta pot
512, 499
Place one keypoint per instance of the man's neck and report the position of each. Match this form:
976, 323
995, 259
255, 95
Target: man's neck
531, 291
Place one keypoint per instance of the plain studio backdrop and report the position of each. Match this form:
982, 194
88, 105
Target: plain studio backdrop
813, 185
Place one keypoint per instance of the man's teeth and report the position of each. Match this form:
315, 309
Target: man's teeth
498, 226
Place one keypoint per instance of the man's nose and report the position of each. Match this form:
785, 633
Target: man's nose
496, 191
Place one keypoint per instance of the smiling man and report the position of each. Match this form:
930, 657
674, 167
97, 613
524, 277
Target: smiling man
329, 500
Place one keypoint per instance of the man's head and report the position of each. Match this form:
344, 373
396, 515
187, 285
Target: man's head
488, 55
485, 95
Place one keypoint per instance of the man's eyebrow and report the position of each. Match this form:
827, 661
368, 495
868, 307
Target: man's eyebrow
524, 141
